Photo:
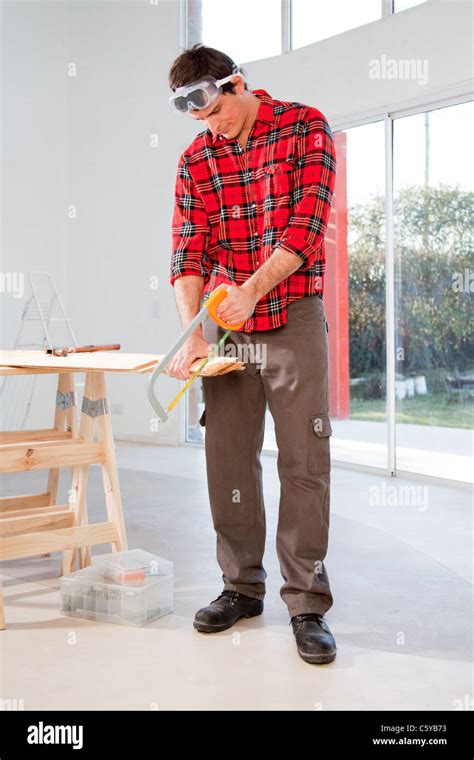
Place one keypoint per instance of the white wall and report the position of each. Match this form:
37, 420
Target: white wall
124, 191
32, 173
85, 140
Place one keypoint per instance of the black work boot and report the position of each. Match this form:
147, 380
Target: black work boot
224, 611
314, 641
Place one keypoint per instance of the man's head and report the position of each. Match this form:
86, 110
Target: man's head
230, 112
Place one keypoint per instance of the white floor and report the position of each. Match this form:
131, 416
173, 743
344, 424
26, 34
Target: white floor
441, 452
401, 575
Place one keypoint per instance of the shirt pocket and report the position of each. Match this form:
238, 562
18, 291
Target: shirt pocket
279, 177
276, 191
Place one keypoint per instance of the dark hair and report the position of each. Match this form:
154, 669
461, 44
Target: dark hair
199, 61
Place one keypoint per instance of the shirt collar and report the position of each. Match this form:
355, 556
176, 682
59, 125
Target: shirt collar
264, 113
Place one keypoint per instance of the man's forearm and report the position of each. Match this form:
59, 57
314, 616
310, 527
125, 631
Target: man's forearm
187, 293
188, 289
276, 268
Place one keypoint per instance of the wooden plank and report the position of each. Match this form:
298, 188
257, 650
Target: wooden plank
33, 511
53, 519
103, 361
40, 457
27, 371
24, 502
40, 444
45, 434
31, 544
219, 365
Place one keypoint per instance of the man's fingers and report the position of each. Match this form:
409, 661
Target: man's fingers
180, 367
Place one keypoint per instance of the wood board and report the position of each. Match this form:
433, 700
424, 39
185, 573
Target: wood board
218, 365
101, 361
14, 362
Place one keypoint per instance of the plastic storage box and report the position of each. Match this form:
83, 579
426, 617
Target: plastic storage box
88, 594
132, 566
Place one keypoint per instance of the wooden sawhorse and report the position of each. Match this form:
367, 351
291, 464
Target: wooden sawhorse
35, 524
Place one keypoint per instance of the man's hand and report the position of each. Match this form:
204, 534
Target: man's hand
238, 305
194, 348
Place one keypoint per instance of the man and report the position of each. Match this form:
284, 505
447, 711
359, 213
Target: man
253, 195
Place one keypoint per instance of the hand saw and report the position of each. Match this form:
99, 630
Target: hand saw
209, 309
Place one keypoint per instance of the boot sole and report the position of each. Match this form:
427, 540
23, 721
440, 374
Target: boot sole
317, 659
208, 628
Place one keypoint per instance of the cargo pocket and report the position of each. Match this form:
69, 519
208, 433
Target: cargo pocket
202, 419
319, 455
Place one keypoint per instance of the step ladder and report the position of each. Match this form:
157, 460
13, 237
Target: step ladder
43, 313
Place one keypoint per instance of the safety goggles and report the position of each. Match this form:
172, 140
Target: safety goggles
200, 94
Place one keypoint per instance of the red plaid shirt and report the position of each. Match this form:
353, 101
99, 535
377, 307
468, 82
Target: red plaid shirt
234, 206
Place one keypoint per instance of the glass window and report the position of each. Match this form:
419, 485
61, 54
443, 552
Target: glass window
433, 205
355, 309
252, 30
195, 432
314, 20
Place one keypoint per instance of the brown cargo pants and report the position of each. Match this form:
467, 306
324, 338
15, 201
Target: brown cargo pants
293, 379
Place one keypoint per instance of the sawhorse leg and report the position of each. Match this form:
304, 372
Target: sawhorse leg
95, 409
65, 419
2, 617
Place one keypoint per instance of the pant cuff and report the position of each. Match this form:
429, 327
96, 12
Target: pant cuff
306, 609
246, 590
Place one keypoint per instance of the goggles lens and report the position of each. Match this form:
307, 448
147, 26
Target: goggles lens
199, 94
194, 99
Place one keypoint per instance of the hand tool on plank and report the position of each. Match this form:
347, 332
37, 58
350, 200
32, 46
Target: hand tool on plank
208, 310
65, 350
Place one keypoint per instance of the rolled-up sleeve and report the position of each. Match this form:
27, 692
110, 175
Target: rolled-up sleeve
313, 187
190, 228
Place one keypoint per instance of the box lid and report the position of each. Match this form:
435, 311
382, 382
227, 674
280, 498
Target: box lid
94, 574
134, 560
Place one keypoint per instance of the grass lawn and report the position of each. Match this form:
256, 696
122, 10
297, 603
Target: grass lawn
419, 410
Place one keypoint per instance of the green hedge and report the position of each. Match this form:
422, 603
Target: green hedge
433, 242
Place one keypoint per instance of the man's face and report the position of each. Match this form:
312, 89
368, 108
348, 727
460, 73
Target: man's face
226, 116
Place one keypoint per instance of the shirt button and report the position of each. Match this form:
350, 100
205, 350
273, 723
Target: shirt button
255, 234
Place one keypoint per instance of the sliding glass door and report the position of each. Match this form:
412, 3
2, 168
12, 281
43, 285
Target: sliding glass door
433, 243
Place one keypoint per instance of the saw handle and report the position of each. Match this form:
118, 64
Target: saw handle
215, 300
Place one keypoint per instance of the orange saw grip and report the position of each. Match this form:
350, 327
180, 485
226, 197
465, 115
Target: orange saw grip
215, 300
